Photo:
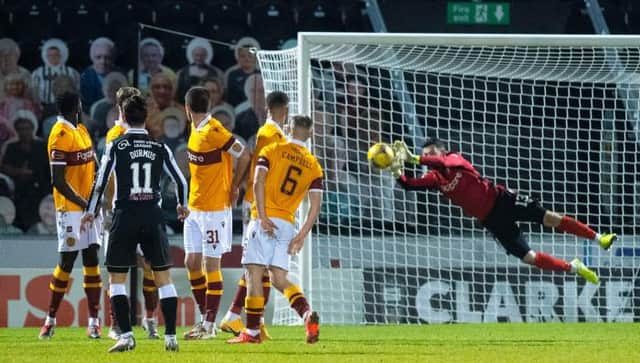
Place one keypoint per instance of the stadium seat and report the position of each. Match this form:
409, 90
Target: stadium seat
224, 21
31, 24
88, 17
4, 21
127, 11
319, 15
122, 17
33, 20
83, 15
353, 16
179, 16
579, 21
272, 22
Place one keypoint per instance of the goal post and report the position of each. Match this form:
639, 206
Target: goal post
556, 117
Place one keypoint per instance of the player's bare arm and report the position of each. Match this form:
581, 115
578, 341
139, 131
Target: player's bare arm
266, 224
60, 183
315, 201
244, 159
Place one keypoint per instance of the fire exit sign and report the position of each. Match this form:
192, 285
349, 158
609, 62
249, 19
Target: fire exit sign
477, 13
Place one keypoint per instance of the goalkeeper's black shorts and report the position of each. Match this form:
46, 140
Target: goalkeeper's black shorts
509, 209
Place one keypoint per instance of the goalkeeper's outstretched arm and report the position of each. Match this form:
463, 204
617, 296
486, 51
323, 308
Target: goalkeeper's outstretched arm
427, 181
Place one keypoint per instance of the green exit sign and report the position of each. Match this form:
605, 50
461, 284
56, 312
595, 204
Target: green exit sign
478, 13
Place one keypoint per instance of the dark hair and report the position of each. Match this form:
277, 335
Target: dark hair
135, 110
212, 79
277, 99
197, 98
125, 92
68, 103
302, 121
434, 141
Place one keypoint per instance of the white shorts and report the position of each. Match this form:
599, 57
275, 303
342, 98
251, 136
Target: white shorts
261, 249
69, 236
246, 217
209, 233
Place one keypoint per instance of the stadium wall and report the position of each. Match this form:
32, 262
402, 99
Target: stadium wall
424, 289
25, 271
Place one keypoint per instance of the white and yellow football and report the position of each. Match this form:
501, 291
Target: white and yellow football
380, 155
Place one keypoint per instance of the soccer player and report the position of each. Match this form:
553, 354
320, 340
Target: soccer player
138, 163
495, 206
213, 191
285, 172
271, 132
149, 289
73, 167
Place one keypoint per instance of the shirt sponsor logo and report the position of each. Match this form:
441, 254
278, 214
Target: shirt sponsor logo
452, 184
123, 144
85, 155
73, 157
210, 157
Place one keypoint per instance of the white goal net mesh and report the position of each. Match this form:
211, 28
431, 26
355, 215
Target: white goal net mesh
558, 123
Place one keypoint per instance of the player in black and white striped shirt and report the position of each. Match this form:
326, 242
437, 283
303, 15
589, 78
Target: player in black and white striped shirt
138, 163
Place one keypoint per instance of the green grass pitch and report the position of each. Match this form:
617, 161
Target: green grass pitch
578, 343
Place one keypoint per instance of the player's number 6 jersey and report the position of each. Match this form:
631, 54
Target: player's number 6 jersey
291, 171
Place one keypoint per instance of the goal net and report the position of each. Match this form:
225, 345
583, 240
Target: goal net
554, 117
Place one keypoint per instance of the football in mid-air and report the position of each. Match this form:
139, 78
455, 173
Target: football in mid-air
380, 155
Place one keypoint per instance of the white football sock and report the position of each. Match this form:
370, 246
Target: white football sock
232, 316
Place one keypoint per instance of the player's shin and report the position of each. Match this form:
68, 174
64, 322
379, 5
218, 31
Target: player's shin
575, 227
238, 300
214, 294
150, 293
120, 306
548, 262
296, 299
93, 288
254, 308
58, 286
198, 282
266, 287
169, 305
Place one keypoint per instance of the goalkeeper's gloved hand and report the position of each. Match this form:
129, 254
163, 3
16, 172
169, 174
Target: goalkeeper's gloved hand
402, 153
396, 168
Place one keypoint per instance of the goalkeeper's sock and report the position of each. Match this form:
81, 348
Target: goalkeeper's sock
296, 298
198, 282
573, 226
548, 262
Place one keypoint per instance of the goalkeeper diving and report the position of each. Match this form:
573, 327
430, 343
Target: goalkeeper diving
496, 207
